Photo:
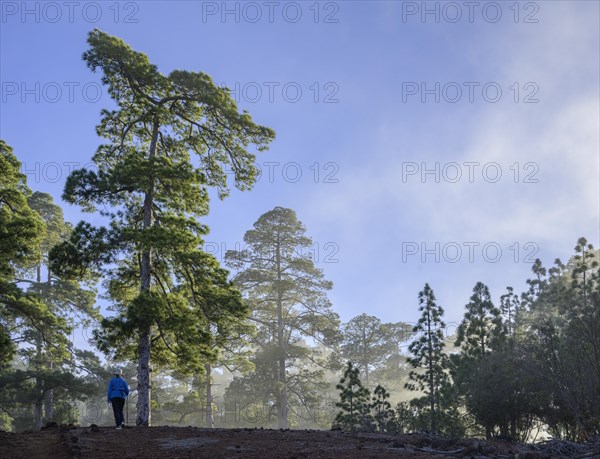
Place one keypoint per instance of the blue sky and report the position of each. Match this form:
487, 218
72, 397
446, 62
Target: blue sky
361, 133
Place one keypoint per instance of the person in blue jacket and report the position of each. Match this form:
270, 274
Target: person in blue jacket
118, 390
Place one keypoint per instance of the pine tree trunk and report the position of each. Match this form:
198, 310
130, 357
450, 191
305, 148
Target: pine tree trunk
143, 373
282, 395
49, 396
365, 361
513, 428
209, 414
431, 384
38, 414
143, 370
482, 345
48, 409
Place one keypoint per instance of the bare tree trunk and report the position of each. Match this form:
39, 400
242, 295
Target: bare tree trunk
209, 415
432, 391
49, 396
48, 400
282, 395
144, 370
38, 414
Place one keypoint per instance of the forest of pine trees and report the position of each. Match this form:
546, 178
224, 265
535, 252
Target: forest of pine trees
256, 342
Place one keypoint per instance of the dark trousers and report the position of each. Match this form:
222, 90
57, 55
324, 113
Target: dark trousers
118, 403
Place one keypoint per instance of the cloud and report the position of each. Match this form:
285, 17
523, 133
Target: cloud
553, 143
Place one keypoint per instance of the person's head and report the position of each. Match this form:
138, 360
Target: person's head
117, 373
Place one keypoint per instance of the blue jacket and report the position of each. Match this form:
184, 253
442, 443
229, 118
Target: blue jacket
117, 387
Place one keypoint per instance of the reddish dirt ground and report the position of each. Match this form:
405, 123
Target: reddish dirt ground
37, 445
190, 442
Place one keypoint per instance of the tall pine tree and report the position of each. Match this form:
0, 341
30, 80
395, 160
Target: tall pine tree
65, 298
428, 358
287, 295
166, 289
481, 332
21, 233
